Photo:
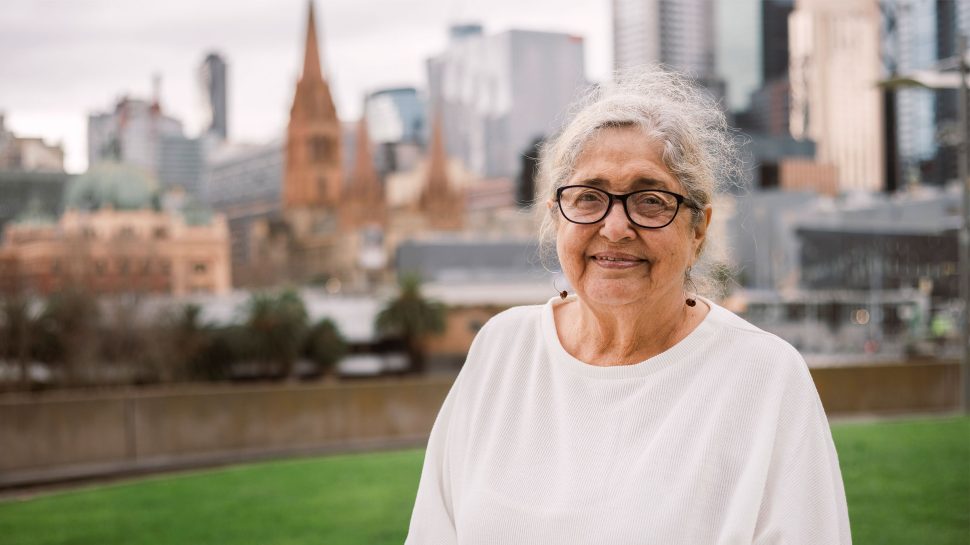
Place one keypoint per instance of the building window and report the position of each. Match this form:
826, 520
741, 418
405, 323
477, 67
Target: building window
165, 266
123, 266
88, 232
199, 268
126, 232
319, 149
160, 233
100, 267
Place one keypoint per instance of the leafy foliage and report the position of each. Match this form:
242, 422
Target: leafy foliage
411, 317
276, 325
325, 345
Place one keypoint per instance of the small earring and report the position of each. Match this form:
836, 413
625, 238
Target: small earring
562, 294
687, 280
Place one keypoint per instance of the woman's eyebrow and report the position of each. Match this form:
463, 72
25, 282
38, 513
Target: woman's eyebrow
639, 183
650, 183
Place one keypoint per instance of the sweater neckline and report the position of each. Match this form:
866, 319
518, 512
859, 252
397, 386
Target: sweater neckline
676, 353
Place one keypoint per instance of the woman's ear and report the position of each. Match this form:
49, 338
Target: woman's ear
700, 229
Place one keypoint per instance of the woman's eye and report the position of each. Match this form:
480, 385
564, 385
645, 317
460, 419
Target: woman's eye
650, 200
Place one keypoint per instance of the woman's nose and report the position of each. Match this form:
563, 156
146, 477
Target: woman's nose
616, 226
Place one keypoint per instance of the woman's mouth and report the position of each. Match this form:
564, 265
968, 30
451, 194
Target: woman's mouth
617, 261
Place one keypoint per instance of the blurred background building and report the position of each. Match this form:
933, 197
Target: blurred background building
496, 94
846, 188
213, 82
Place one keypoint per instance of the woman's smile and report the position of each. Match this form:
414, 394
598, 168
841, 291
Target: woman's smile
616, 260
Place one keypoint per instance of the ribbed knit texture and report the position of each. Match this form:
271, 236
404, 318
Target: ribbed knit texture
721, 439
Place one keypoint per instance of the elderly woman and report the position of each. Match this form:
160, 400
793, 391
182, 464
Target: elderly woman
634, 411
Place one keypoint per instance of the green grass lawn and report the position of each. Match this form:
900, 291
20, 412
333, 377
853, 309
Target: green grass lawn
908, 483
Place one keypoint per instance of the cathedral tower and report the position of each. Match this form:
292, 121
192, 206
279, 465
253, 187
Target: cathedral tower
312, 176
442, 205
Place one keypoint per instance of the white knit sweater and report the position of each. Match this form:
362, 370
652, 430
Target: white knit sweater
719, 440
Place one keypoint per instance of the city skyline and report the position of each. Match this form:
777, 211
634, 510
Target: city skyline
94, 52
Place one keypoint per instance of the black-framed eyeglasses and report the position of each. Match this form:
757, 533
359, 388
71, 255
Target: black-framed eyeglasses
648, 208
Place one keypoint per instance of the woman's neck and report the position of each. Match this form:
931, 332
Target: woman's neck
624, 335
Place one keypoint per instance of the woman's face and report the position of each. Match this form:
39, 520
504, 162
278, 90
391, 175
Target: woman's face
614, 262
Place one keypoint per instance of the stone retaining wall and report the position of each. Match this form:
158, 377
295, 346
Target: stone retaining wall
60, 435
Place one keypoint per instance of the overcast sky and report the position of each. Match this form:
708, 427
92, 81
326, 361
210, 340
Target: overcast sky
61, 59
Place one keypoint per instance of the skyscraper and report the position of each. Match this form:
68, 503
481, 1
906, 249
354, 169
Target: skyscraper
834, 64
774, 38
914, 36
131, 133
738, 48
678, 33
952, 20
497, 94
212, 78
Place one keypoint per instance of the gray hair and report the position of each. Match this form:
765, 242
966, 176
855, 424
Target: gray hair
669, 107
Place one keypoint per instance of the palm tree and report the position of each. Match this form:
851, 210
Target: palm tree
277, 325
325, 346
410, 316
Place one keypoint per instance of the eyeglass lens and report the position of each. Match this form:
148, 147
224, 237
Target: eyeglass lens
646, 208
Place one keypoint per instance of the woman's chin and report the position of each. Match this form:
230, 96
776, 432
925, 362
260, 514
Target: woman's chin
614, 293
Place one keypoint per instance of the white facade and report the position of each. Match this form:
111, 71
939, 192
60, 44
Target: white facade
678, 33
130, 134
496, 94
834, 67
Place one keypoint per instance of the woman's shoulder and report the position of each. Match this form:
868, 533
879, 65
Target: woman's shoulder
746, 344
514, 319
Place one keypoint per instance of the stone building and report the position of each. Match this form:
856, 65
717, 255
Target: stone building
312, 177
118, 236
28, 154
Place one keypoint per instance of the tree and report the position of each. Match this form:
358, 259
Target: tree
68, 330
17, 332
325, 346
277, 325
190, 338
411, 317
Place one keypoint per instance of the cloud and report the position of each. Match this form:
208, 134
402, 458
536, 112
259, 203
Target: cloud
65, 58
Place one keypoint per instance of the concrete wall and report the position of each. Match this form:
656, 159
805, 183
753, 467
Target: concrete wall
56, 436
61, 436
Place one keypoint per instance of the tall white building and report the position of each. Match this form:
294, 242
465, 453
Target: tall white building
834, 67
131, 133
496, 94
678, 33
915, 49
137, 133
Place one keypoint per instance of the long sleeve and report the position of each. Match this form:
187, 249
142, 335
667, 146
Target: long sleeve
433, 518
804, 499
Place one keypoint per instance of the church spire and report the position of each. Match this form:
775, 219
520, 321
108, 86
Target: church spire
312, 176
366, 183
364, 202
437, 160
311, 53
441, 204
